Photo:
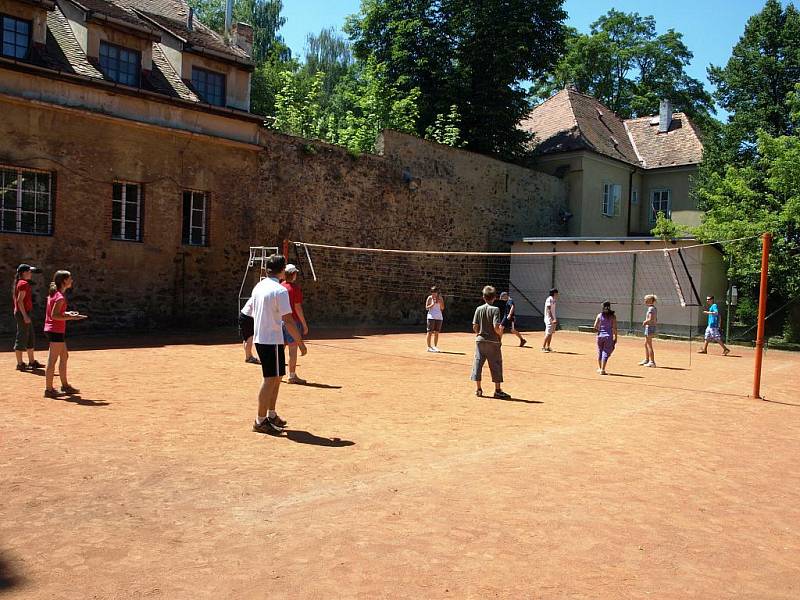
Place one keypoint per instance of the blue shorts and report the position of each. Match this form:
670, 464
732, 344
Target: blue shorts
649, 330
288, 338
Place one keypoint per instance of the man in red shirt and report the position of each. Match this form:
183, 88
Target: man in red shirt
296, 300
23, 306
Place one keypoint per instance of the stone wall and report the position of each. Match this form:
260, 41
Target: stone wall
417, 195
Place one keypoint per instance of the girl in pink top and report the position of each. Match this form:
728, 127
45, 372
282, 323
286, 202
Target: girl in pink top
55, 327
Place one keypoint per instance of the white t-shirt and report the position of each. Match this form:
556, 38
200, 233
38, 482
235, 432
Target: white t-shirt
269, 302
549, 303
435, 311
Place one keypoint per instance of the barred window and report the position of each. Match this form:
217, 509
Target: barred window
126, 212
120, 64
210, 86
26, 201
16, 37
195, 219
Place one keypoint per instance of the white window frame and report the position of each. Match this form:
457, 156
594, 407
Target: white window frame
123, 220
653, 211
612, 195
635, 197
19, 172
187, 239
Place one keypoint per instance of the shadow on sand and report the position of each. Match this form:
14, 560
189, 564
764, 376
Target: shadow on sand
304, 437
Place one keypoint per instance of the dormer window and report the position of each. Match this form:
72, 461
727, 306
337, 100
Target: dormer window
119, 64
16, 37
210, 86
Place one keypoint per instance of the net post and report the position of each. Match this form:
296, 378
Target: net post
286, 249
633, 295
766, 243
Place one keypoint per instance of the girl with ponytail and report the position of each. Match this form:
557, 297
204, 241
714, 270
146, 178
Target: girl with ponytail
55, 328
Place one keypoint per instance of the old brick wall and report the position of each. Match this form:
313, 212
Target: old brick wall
259, 195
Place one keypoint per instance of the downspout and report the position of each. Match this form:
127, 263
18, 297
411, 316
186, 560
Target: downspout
630, 201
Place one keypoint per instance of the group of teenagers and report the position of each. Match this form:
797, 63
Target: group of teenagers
494, 317
55, 327
273, 319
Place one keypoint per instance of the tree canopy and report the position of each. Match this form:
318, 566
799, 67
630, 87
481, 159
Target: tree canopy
629, 67
749, 181
470, 55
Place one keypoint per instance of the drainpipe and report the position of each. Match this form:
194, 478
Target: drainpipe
630, 201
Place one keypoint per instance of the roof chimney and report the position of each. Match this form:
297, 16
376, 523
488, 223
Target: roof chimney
190, 19
242, 36
228, 18
664, 116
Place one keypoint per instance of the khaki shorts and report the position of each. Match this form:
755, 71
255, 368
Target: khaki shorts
549, 328
488, 352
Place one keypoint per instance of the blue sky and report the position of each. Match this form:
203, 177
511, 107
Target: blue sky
710, 27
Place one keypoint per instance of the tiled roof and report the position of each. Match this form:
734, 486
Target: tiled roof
199, 36
681, 145
165, 76
570, 120
62, 50
113, 10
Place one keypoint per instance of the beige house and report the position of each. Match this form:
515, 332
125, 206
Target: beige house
620, 173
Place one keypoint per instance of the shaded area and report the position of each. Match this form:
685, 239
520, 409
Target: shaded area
8, 578
305, 437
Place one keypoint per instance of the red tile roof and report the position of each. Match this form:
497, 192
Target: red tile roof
570, 120
681, 145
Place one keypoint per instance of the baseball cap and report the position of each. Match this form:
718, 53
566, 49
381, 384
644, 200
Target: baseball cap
290, 268
26, 267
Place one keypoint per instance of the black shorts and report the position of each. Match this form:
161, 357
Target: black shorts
52, 336
246, 326
273, 359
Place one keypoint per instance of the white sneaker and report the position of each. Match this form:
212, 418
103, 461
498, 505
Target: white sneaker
644, 362
651, 364
431, 349
435, 349
599, 370
603, 372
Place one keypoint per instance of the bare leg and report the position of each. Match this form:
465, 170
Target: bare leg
725, 349
30, 356
547, 339
248, 348
268, 395
430, 333
705, 347
52, 357
19, 356
62, 365
292, 359
435, 339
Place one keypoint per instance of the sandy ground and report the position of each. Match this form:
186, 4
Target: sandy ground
395, 481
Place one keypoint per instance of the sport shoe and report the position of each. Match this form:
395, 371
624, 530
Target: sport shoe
651, 364
522, 342
22, 367
545, 349
435, 349
296, 380
479, 393
35, 365
602, 372
430, 349
267, 427
644, 362
702, 351
726, 352
278, 422
502, 395
68, 389
252, 360
51, 393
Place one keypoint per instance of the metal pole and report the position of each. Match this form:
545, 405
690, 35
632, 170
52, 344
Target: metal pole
633, 294
762, 313
728, 300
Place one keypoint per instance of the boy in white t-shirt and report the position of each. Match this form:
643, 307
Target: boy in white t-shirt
550, 320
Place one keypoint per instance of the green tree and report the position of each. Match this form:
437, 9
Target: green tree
629, 67
445, 129
463, 53
749, 177
330, 53
755, 84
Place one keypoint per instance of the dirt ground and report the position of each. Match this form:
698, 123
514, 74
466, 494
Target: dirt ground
395, 481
